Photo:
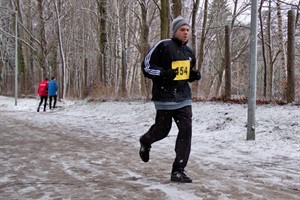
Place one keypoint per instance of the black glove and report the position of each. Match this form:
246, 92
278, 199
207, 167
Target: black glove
169, 74
195, 75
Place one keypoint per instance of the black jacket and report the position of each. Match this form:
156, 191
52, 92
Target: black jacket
158, 60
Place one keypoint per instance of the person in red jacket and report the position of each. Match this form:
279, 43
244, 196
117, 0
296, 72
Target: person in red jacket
43, 93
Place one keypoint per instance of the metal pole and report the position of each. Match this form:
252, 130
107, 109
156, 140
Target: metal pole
16, 57
252, 73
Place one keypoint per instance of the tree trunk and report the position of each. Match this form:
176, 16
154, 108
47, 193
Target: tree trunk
203, 35
61, 51
164, 19
269, 41
42, 37
102, 31
283, 72
177, 8
194, 16
144, 46
227, 62
202, 44
263, 42
291, 57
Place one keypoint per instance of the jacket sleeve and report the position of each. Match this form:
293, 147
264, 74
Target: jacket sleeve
39, 89
56, 87
151, 65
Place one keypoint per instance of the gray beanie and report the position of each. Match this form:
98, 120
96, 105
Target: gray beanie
177, 23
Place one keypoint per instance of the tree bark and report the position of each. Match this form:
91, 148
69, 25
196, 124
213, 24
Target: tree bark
102, 31
194, 16
291, 57
263, 42
177, 8
42, 39
61, 51
283, 70
227, 62
144, 46
270, 57
164, 19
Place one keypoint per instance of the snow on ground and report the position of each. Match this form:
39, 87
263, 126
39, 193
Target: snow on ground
104, 136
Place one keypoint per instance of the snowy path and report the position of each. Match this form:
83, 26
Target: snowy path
90, 151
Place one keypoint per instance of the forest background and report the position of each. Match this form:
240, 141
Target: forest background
94, 48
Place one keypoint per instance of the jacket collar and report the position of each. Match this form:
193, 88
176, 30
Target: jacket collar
177, 41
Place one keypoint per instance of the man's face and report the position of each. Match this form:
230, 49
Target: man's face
183, 33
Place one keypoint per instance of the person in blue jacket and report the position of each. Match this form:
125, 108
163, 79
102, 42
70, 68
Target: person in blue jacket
170, 64
52, 92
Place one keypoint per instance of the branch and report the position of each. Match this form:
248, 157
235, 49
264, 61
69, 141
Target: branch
6, 33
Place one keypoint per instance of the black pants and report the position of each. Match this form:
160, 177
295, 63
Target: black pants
43, 98
54, 102
162, 127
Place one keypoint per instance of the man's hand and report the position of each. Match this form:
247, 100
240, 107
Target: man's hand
195, 75
169, 74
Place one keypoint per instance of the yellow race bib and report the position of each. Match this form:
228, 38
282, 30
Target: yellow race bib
183, 67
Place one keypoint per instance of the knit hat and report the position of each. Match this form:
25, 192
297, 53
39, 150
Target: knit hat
178, 22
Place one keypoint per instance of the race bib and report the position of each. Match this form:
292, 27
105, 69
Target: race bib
183, 67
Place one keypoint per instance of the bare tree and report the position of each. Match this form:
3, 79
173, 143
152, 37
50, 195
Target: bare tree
291, 58
42, 53
102, 42
283, 71
177, 8
61, 48
95, 47
194, 23
164, 19
227, 62
144, 42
